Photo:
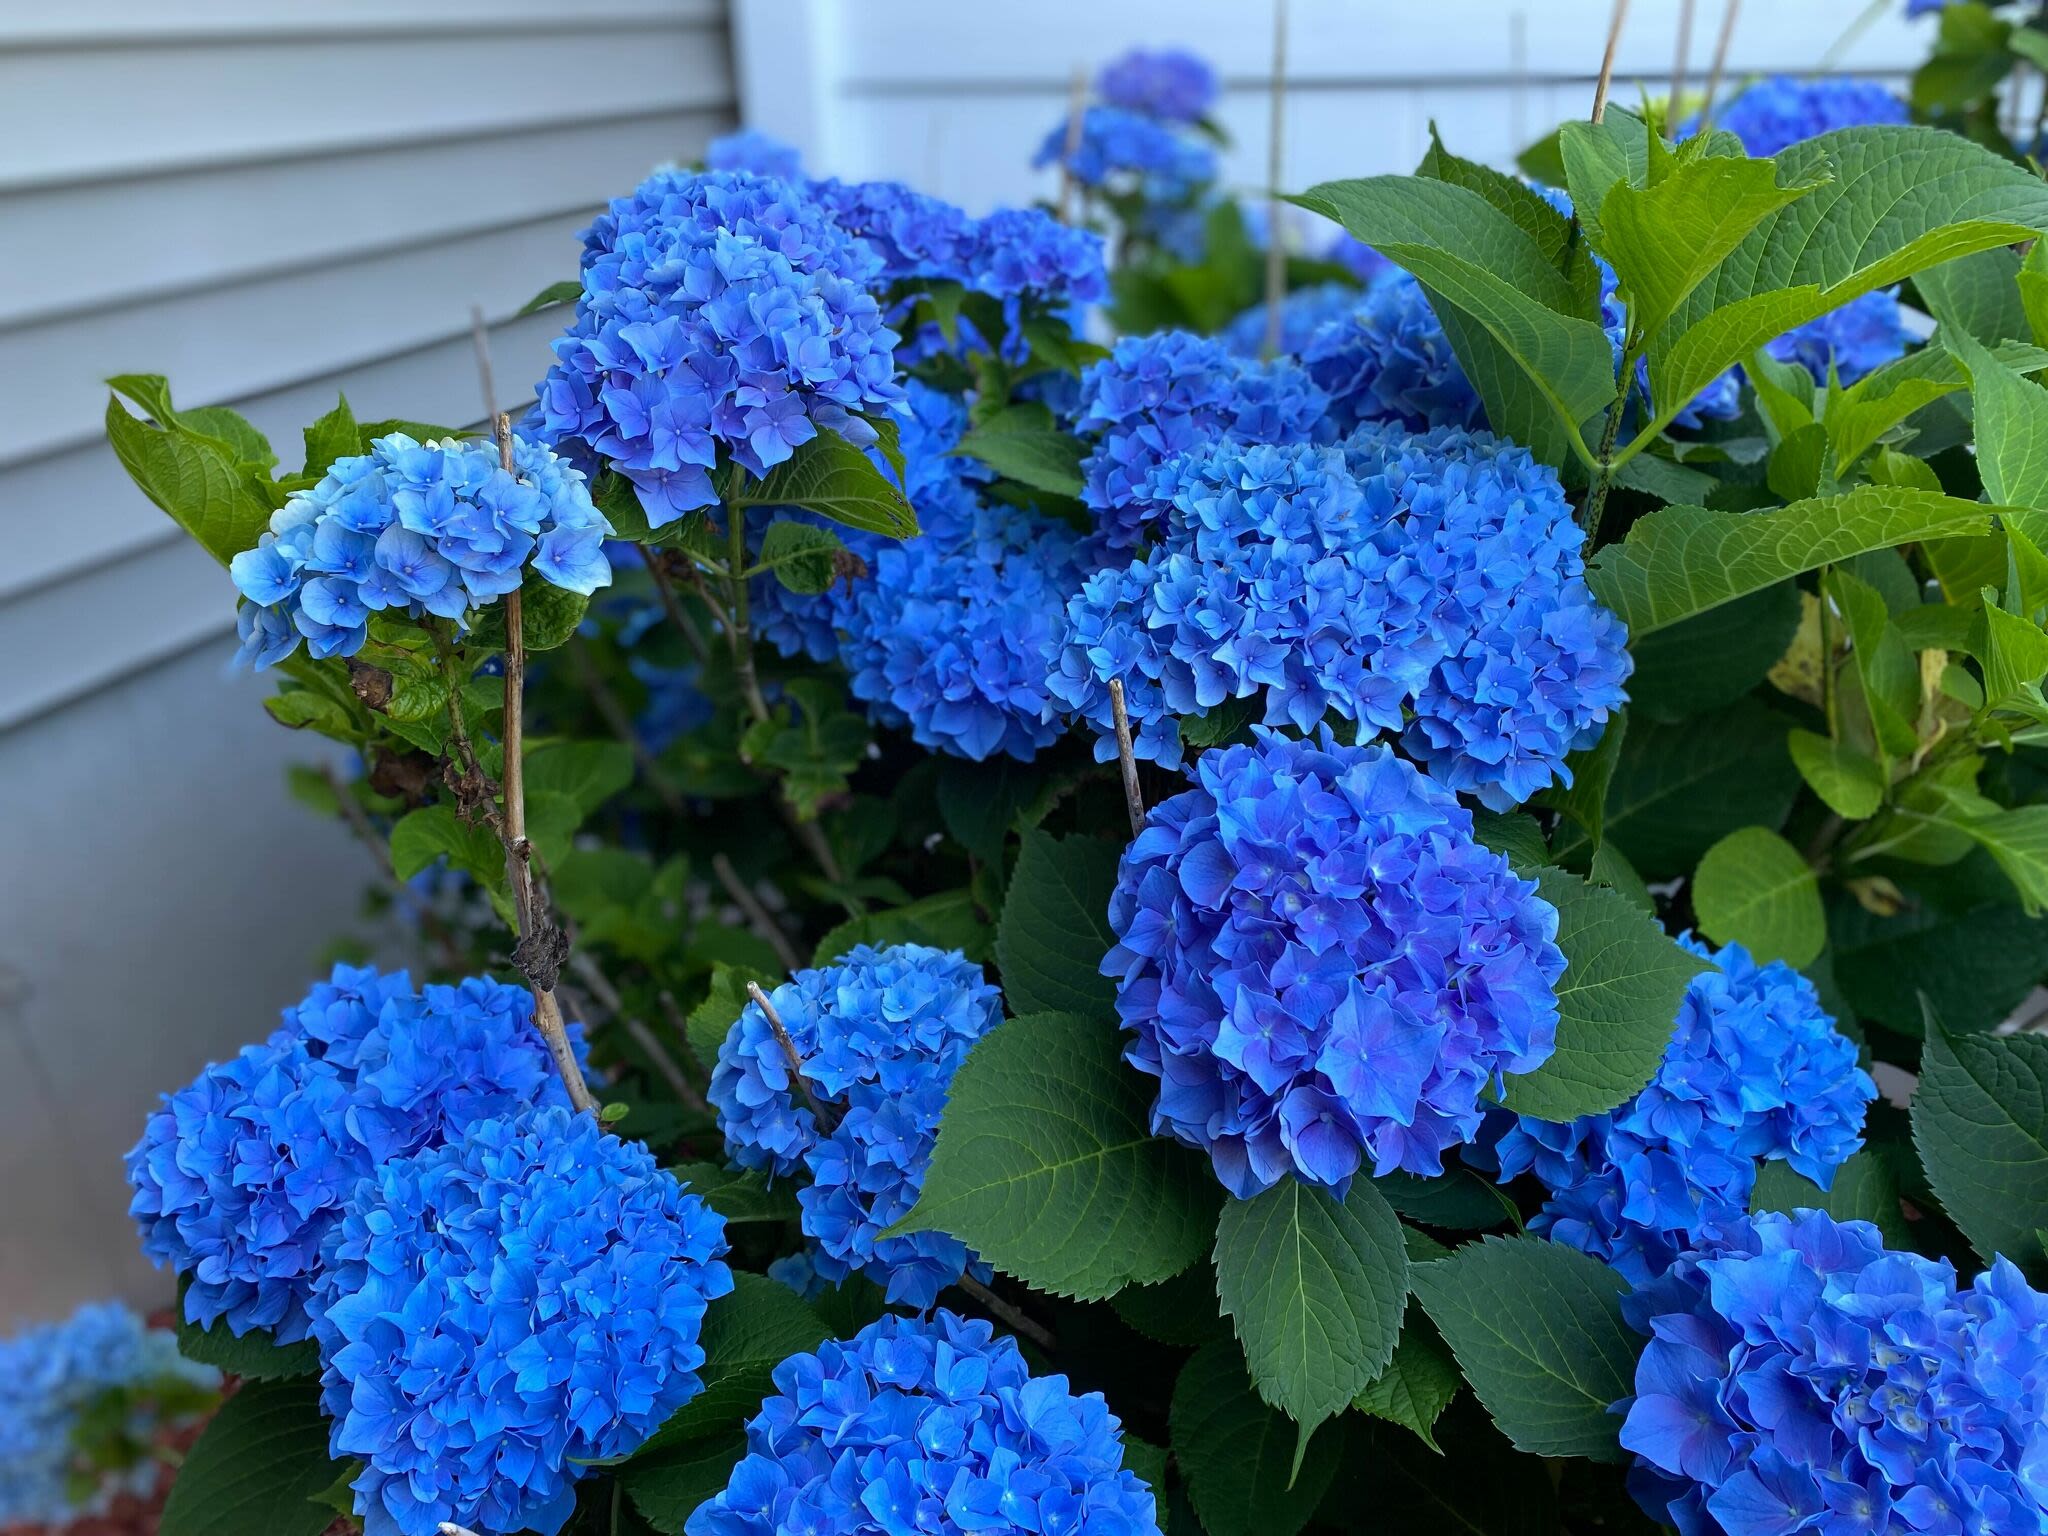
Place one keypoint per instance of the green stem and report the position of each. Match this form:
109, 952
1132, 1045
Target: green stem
1604, 466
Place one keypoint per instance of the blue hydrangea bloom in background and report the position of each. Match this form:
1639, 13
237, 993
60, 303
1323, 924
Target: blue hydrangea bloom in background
1799, 1376
419, 528
928, 1424
1755, 1070
1508, 661
1322, 967
1164, 394
494, 1313
1780, 111
49, 1377
880, 1033
720, 311
754, 152
1383, 358
240, 1175
1121, 151
1167, 83
1302, 313
1857, 339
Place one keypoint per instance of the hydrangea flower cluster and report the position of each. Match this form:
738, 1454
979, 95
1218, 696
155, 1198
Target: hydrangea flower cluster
1170, 84
50, 1376
1754, 1070
720, 312
1855, 340
928, 1424
1506, 659
419, 528
880, 1033
1382, 356
239, 1176
755, 153
1164, 394
1322, 967
1780, 111
499, 1311
1799, 1376
1122, 151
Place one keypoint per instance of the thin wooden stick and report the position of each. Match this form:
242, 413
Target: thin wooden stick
685, 1091
1614, 26
1276, 250
1077, 118
1134, 802
823, 1113
1720, 63
1032, 1329
1678, 63
758, 917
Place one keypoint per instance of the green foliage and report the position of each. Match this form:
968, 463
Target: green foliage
1755, 889
1979, 1119
254, 1356
212, 485
1616, 1002
1047, 1167
1024, 443
1054, 929
800, 554
1865, 1188
746, 1335
1537, 1329
1418, 1383
1245, 1474
258, 1469
831, 477
1316, 1288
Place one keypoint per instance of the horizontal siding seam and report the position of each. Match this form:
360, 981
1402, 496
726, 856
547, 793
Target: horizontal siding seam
137, 663
249, 35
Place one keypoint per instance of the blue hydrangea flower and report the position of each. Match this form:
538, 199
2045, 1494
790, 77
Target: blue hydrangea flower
880, 1033
1121, 151
1357, 258
755, 153
1780, 111
1170, 84
419, 528
240, 1175
1508, 661
913, 234
1857, 339
50, 1376
721, 313
1302, 313
495, 1313
1754, 1070
1799, 1376
928, 1424
1164, 394
1322, 967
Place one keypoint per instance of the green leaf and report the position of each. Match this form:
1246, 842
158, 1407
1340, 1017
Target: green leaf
1054, 929
588, 772
746, 1335
712, 1020
1315, 1287
1238, 1455
1474, 259
1180, 1311
943, 920
1537, 1330
1865, 411
1851, 783
1047, 1167
2018, 840
1611, 869
800, 554
568, 291
1024, 443
831, 477
197, 479
1978, 294
979, 802
2011, 414
1901, 199
1417, 1384
254, 1355
1975, 965
811, 740
1755, 889
1617, 1002
1712, 659
424, 835
1681, 561
1865, 1188
1515, 835
1458, 1200
1665, 238
333, 436
740, 1195
2015, 656
1591, 771
667, 1485
257, 1468
1551, 230
1980, 1122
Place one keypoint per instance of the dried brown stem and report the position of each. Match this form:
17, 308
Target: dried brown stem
1012, 1317
1134, 802
826, 1116
1720, 64
671, 1071
672, 607
1607, 59
758, 917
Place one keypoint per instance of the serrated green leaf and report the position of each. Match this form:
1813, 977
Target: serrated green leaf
740, 1195
254, 1355
1681, 561
1863, 412
422, 836
943, 920
831, 477
568, 291
1315, 1288
1180, 1311
1515, 835
1418, 1383
1458, 1200
1849, 782
258, 1468
2018, 840
666, 1486
1055, 930
979, 802
1537, 1329
196, 479
1591, 771
332, 437
2011, 419
1024, 443
1611, 869
1617, 1002
746, 1334
588, 773
2015, 654
1863, 1189
799, 554
1975, 965
1047, 1167
1980, 1122
712, 1020
548, 616
1709, 661
1755, 889
1238, 1456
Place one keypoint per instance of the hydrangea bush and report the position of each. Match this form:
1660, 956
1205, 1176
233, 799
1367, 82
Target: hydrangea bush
1221, 868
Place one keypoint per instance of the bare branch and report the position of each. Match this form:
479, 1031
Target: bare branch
1134, 802
758, 917
824, 1114
1013, 1317
1607, 59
